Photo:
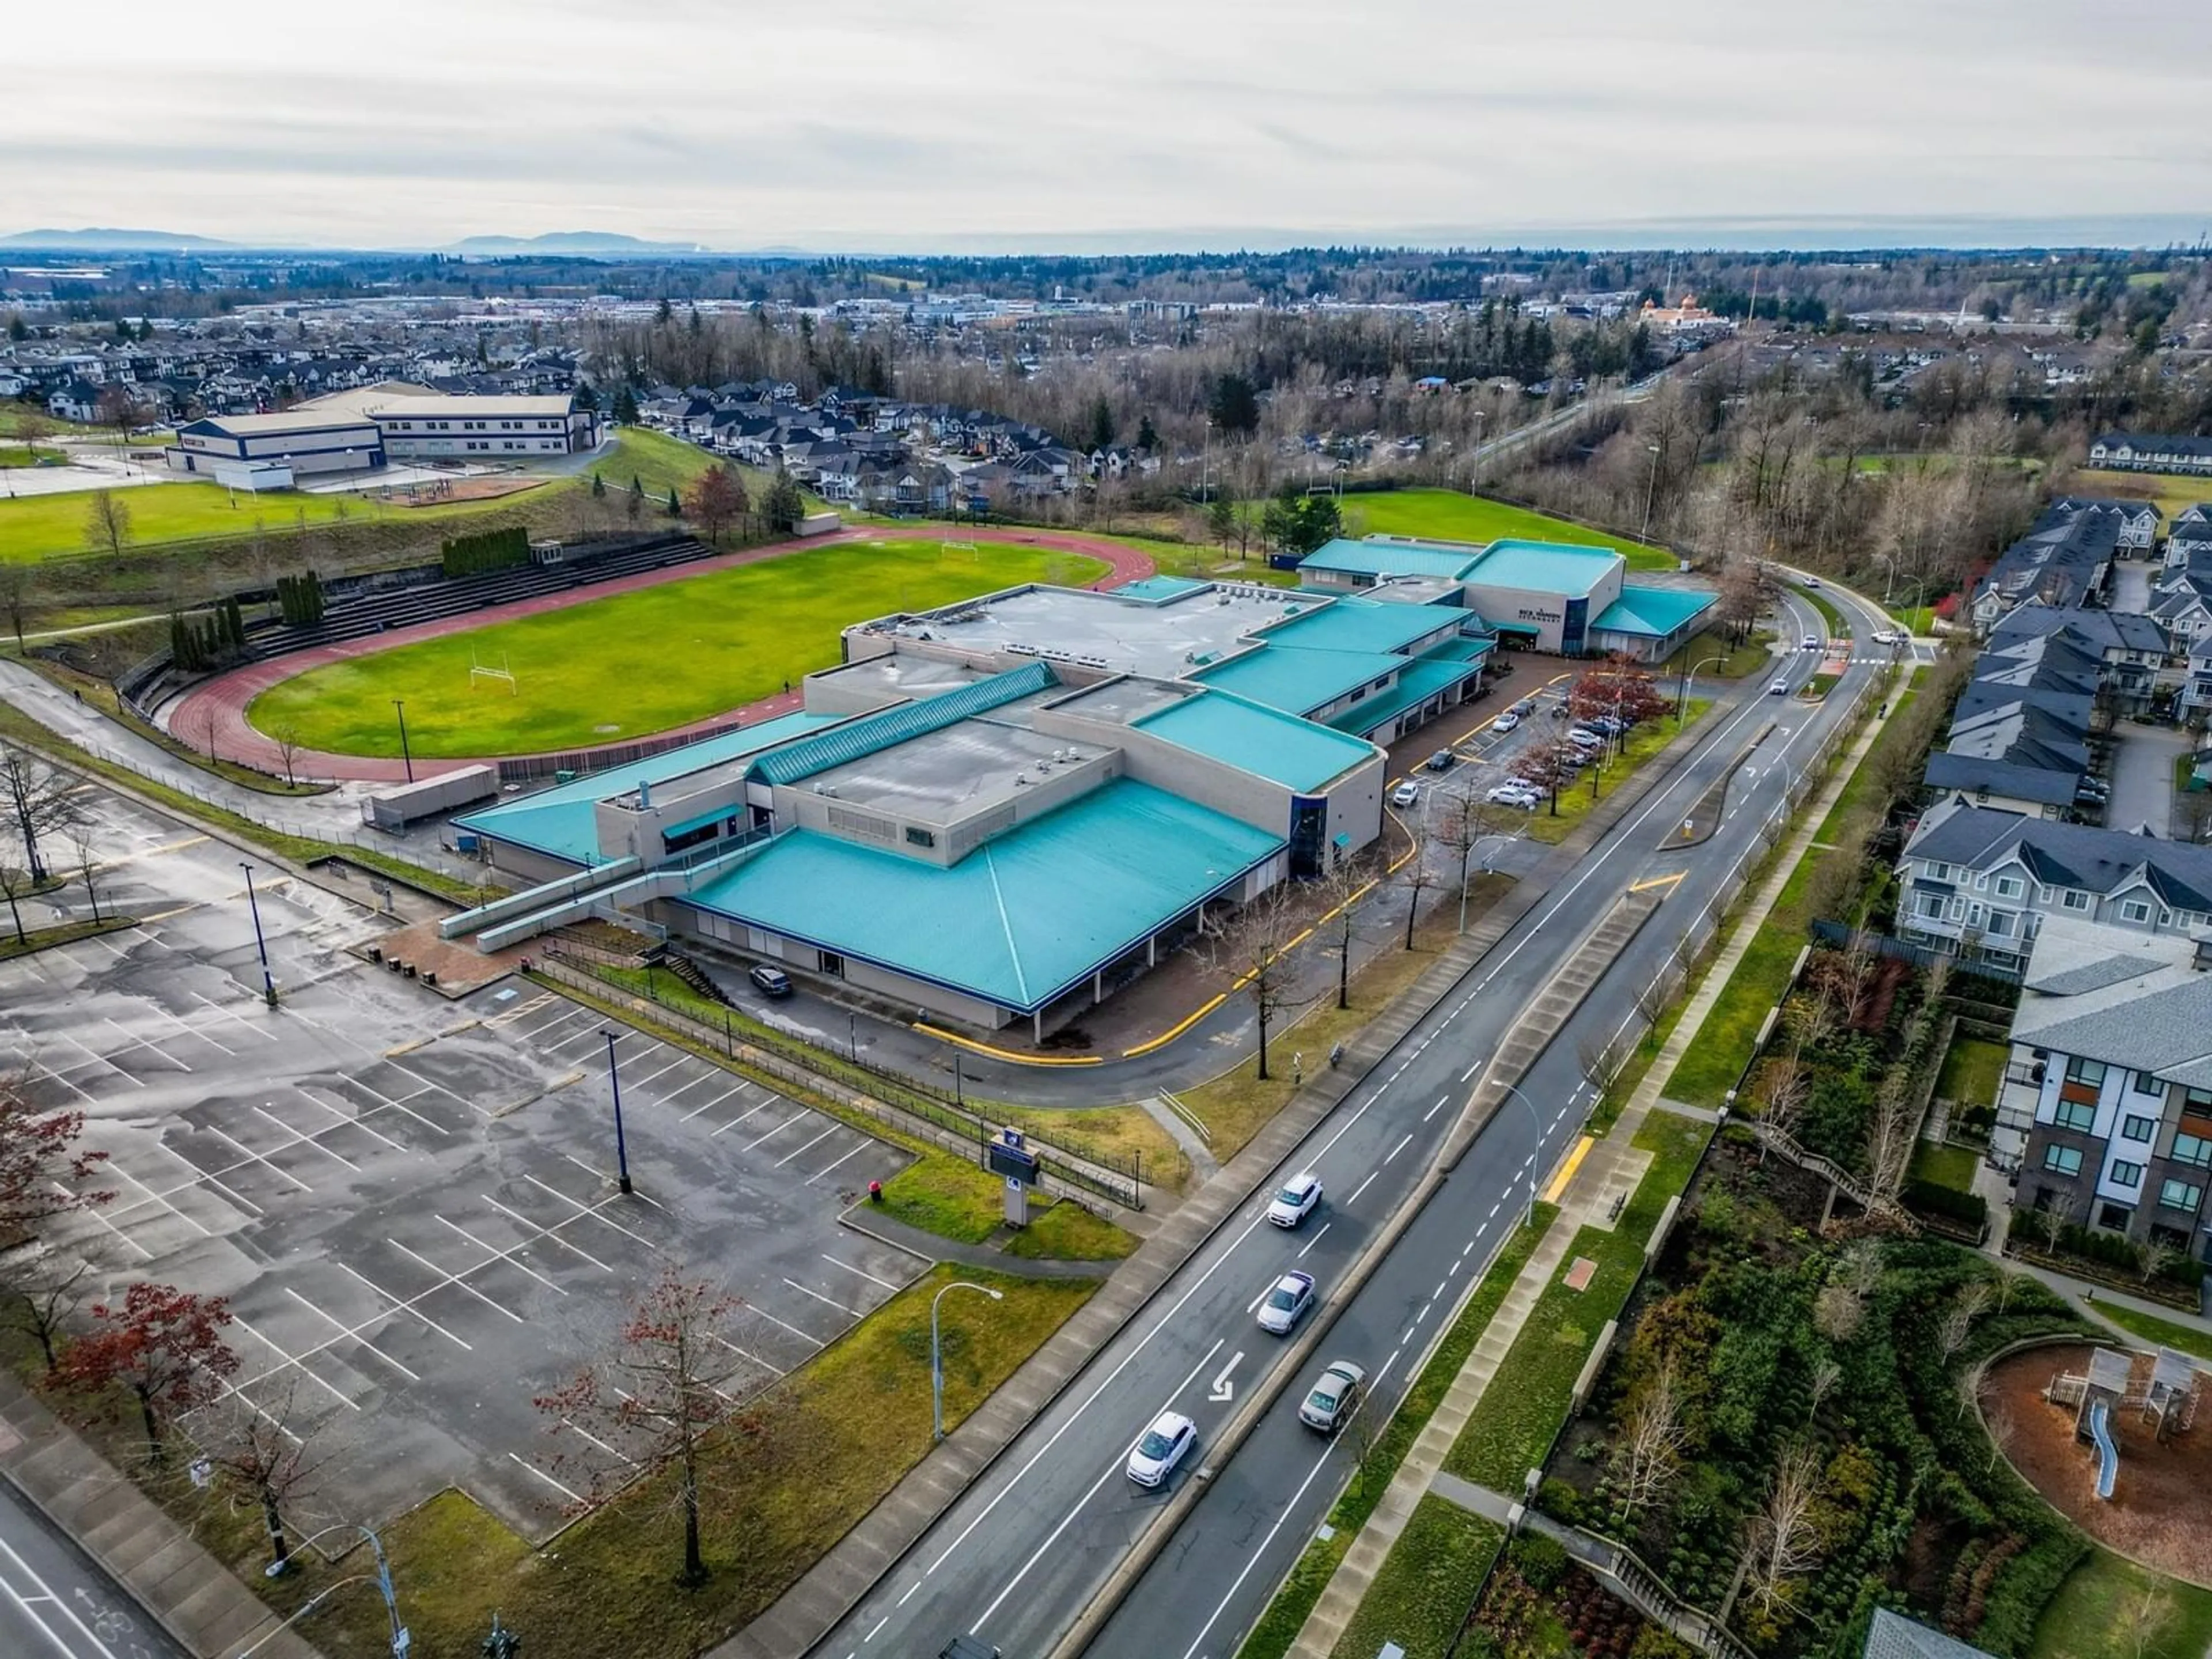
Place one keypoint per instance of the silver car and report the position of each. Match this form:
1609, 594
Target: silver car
1282, 1308
1333, 1398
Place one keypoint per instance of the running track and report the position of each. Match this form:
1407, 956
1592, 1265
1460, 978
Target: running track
227, 696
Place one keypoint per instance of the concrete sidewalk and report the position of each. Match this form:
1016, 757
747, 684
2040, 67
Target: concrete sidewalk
192, 1594
1612, 1167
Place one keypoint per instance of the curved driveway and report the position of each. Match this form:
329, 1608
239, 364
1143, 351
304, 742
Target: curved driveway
226, 696
1016, 1559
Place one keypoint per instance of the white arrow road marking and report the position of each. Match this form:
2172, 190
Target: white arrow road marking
1223, 1388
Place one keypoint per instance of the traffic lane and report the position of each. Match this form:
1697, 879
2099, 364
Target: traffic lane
1202, 1594
54, 1602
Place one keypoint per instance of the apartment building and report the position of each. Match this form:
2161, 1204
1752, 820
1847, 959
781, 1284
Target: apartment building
2106, 1111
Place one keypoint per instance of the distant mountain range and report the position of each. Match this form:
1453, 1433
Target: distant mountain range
584, 242
112, 241
569, 241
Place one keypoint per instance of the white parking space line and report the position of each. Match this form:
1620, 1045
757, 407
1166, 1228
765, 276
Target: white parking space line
95, 1213
551, 1235
348, 1118
284, 1354
849, 1313
592, 1210
189, 1030
498, 1254
865, 1144
298, 1140
862, 1272
734, 1121
680, 1058
252, 1157
235, 1017
711, 1074
459, 1281
402, 1305
132, 1041
834, 1127
350, 1332
807, 1337
574, 1497
748, 1354
771, 1134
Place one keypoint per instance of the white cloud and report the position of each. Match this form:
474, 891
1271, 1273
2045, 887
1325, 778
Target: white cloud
873, 124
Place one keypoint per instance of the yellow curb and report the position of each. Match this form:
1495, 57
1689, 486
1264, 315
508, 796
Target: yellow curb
408, 1048
1567, 1170
1177, 1030
1006, 1054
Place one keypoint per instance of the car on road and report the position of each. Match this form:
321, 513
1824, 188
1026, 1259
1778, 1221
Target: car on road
770, 982
1525, 707
1406, 794
1161, 1447
1812, 581
1442, 761
1779, 688
1282, 1308
966, 1647
1295, 1201
1888, 636
1506, 722
1506, 795
1330, 1405
1810, 642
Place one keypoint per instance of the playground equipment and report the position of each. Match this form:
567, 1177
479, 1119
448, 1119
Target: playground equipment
2163, 1389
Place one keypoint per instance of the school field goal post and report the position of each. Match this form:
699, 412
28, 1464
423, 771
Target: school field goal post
482, 670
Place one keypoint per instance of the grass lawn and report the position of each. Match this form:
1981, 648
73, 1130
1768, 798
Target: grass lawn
1575, 800
948, 1196
1520, 1412
2090, 1616
1114, 1135
2173, 492
1447, 515
1944, 1166
2162, 1332
1425, 1585
723, 640
821, 1450
1973, 1071
1068, 1232
1821, 603
40, 938
1697, 653
24, 455
1917, 618
1309, 1577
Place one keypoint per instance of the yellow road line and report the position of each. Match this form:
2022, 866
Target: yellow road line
1658, 881
1177, 1029
1567, 1170
1006, 1054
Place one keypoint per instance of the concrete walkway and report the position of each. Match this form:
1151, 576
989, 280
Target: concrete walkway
1612, 1167
189, 1592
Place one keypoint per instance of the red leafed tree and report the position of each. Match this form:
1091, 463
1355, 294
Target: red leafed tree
672, 1377
1548, 764
717, 501
164, 1346
1622, 686
42, 1167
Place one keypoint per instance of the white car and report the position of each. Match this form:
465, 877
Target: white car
1887, 636
1779, 688
1334, 1397
1506, 722
1282, 1308
1582, 737
1161, 1447
1406, 794
1295, 1201
1506, 795
1808, 643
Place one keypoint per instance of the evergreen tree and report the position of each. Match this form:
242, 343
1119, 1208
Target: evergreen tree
1147, 439
625, 407
599, 488
586, 399
1235, 406
785, 506
675, 507
1101, 425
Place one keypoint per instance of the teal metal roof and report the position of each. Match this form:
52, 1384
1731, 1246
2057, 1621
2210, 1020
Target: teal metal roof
1253, 738
1286, 678
872, 734
1422, 679
1653, 611
1463, 648
1025, 917
1390, 559
1545, 566
1159, 589
1356, 624
559, 822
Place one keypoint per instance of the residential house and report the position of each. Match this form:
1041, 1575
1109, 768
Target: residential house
76, 400
2064, 561
2132, 651
2106, 1110
2138, 521
1892, 1636
2190, 534
1978, 881
2151, 452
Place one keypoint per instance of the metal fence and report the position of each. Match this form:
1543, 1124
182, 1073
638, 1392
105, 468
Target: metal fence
869, 1086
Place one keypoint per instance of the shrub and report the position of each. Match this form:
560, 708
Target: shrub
1540, 1560
1926, 1195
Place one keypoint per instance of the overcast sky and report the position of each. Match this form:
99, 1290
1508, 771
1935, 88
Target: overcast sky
900, 123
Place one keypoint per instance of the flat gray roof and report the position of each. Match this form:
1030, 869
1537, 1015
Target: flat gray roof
1127, 700
900, 675
944, 776
1105, 631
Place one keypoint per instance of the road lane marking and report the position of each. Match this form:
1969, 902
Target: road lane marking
1434, 1109
1399, 1147
1315, 1239
1362, 1187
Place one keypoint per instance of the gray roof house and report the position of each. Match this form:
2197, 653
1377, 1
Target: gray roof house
1892, 1636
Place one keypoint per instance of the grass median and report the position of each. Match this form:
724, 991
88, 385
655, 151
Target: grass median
1519, 1414
1301, 1590
1420, 1596
1577, 799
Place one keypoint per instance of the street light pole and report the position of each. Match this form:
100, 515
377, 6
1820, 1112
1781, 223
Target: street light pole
1650, 494
401, 1640
1682, 689
621, 1147
260, 943
937, 1355
1536, 1120
1475, 472
399, 704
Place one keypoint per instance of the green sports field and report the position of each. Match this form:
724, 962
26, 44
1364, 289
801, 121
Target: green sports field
1450, 516
638, 662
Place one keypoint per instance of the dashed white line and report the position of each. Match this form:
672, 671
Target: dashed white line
1434, 1109
1399, 1148
1315, 1239
1362, 1187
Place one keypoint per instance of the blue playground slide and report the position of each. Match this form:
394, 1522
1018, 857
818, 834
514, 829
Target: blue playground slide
2108, 1455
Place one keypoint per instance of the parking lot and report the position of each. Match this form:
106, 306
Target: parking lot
410, 1202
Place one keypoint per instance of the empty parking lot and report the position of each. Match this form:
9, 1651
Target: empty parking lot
410, 1202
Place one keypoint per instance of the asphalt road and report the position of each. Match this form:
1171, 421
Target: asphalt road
1019, 1556
54, 1602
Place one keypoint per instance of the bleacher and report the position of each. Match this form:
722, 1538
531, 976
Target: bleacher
359, 616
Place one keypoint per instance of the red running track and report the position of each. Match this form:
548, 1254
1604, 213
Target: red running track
225, 698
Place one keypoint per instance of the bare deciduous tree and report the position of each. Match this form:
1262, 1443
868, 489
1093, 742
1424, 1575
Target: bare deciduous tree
1821, 1383
84, 840
287, 740
49, 1288
1788, 1087
2158, 1259
1783, 1543
1253, 950
1890, 1134
107, 523
1345, 886
264, 1454
1957, 1322
2143, 1617
1648, 1456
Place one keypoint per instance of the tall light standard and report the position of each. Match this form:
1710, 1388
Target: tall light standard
260, 943
1536, 1121
621, 1148
1650, 494
1475, 472
937, 1354
1682, 690
400, 1639
399, 706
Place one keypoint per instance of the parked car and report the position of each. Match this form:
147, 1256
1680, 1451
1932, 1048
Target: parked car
1442, 761
1282, 1308
1161, 1447
1506, 795
1295, 1201
1406, 794
1506, 722
1779, 688
1582, 737
770, 982
1334, 1398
